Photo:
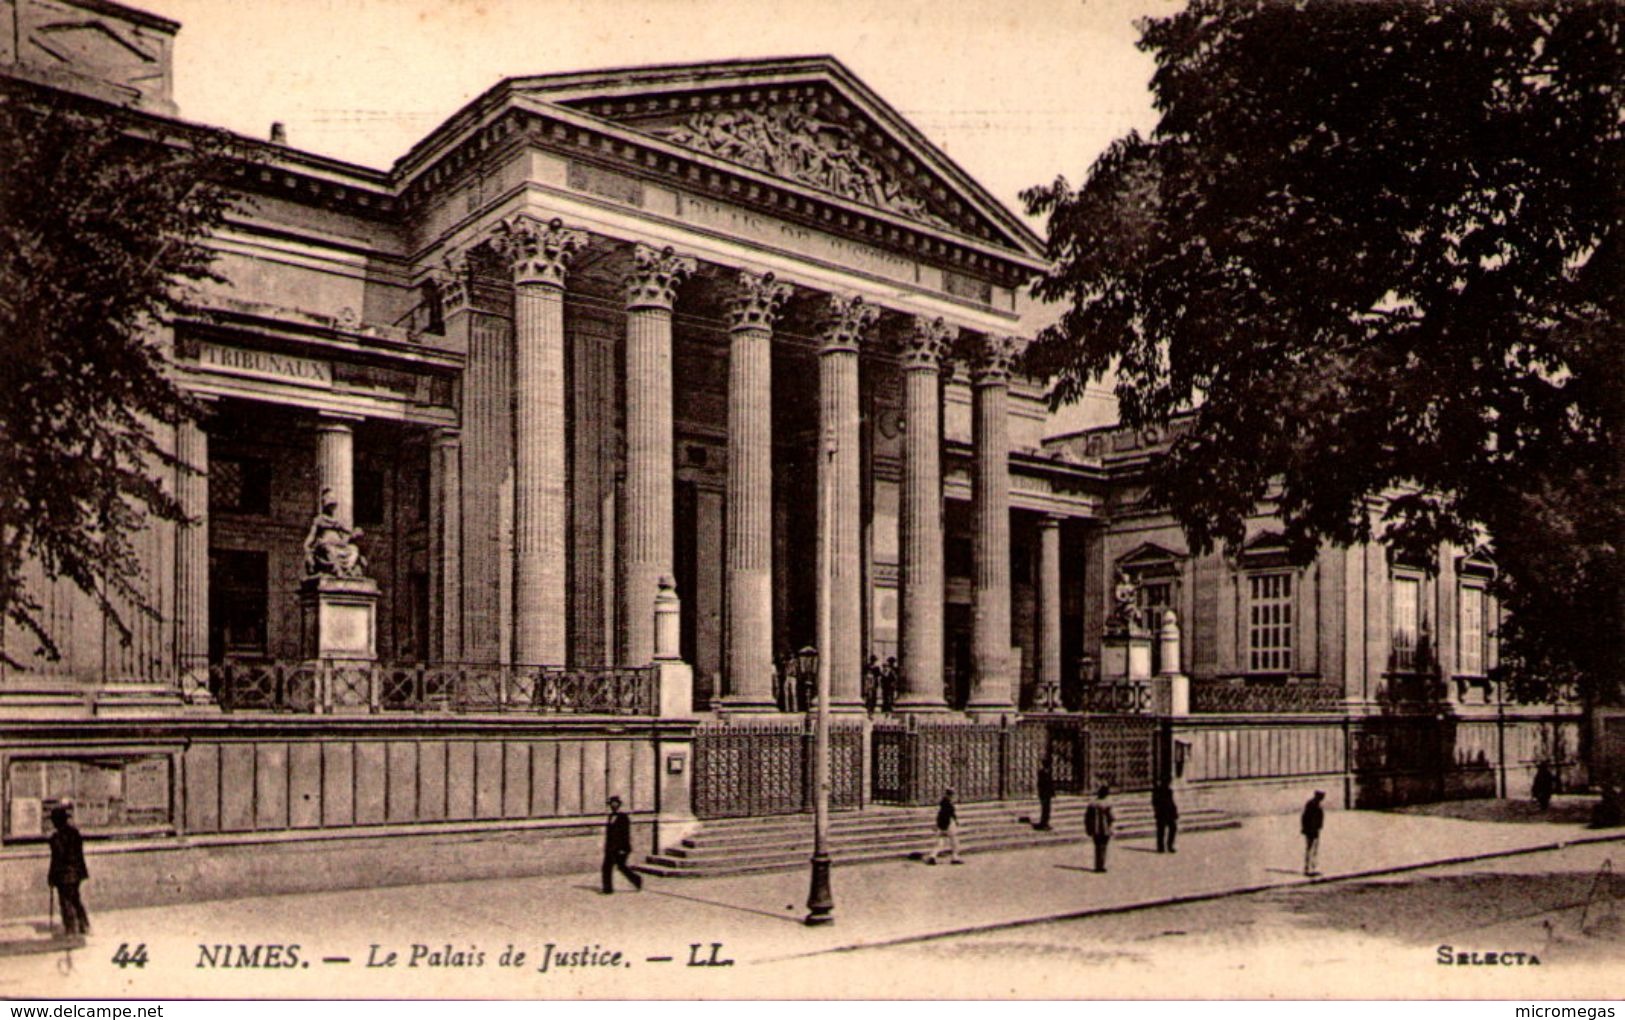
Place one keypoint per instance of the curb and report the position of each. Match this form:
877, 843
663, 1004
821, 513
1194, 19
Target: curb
1173, 901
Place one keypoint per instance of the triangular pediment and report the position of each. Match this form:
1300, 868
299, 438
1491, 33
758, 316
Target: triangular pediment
806, 121
1149, 555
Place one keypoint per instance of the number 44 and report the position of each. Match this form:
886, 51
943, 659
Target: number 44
126, 957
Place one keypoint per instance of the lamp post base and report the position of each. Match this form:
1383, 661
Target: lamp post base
820, 901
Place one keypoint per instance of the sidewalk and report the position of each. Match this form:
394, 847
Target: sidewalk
754, 918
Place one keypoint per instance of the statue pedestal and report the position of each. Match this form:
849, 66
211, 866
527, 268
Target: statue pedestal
1125, 655
338, 617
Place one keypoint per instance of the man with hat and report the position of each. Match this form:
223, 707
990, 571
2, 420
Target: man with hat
618, 847
947, 829
68, 870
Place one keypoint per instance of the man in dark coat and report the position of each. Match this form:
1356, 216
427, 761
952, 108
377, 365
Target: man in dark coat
1167, 816
618, 847
1046, 793
1314, 819
68, 870
1099, 822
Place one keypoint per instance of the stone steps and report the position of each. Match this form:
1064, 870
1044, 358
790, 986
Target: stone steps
743, 845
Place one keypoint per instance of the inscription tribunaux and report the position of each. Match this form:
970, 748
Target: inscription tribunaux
264, 364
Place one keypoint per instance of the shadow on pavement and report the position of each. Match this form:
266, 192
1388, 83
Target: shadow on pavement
1563, 811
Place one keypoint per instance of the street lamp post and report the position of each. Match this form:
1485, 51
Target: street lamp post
820, 900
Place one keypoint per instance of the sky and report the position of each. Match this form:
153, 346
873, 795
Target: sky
1016, 91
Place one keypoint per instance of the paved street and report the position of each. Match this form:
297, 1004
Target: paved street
1293, 937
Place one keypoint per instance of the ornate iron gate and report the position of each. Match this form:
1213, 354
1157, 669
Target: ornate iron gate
1088, 750
914, 763
746, 769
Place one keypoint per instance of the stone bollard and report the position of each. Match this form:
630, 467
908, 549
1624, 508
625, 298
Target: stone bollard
668, 621
1169, 638
675, 677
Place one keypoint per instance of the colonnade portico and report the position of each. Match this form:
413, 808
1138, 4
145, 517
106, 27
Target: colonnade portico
845, 328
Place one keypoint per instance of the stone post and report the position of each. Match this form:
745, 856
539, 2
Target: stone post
1048, 695
539, 254
839, 476
446, 545
651, 290
752, 309
990, 637
674, 676
1173, 686
192, 562
922, 580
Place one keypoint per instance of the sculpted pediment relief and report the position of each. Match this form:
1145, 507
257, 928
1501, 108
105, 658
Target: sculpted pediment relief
806, 121
793, 140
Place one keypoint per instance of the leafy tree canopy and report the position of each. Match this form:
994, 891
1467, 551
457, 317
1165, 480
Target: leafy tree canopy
1373, 247
102, 227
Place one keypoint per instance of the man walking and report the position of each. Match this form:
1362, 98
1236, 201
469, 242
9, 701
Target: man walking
1314, 819
1046, 793
67, 870
1098, 823
1167, 816
618, 847
947, 829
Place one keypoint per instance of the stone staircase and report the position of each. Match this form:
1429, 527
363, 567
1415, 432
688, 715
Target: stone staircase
734, 846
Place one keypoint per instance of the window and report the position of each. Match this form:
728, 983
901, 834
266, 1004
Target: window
1472, 632
1407, 623
239, 485
1269, 623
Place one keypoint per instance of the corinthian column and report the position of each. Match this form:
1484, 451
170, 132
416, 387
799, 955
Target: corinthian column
841, 527
335, 463
651, 289
751, 310
922, 517
990, 635
538, 254
1048, 693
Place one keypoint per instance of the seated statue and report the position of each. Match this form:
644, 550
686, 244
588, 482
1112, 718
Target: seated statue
1125, 595
330, 547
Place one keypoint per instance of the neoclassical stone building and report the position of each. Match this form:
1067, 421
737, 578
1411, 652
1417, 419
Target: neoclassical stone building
598, 330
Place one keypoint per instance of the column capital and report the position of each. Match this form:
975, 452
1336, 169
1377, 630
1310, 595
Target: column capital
655, 275
447, 435
451, 279
994, 357
327, 421
845, 321
927, 343
537, 252
1051, 520
755, 300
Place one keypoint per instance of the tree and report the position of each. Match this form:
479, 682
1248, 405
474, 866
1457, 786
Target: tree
102, 228
1373, 248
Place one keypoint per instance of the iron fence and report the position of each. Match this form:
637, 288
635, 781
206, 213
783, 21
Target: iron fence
1087, 751
915, 762
1244, 697
352, 685
766, 768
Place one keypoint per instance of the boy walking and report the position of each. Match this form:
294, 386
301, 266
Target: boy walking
947, 829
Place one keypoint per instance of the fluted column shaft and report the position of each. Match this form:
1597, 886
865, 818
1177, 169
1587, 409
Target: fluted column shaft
446, 545
990, 634
539, 255
749, 529
335, 464
922, 580
650, 292
841, 522
1049, 602
192, 561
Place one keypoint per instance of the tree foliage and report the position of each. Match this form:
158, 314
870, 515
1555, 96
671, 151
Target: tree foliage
102, 228
1373, 248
